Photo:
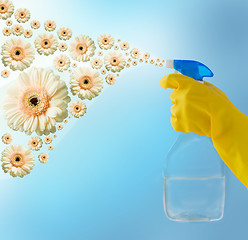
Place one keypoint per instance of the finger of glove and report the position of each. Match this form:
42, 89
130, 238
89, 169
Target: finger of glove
176, 81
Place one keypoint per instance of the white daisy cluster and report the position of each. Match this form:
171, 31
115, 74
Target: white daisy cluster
39, 101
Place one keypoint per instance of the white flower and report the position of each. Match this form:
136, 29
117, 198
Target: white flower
124, 46
6, 138
17, 160
7, 31
114, 61
17, 54
9, 22
96, 62
6, 9
17, 30
64, 33
110, 79
36, 101
35, 143
135, 53
62, 63
46, 43
146, 55
105, 41
48, 140
63, 47
22, 15
77, 109
5, 73
82, 48
43, 157
50, 25
86, 83
35, 24
28, 33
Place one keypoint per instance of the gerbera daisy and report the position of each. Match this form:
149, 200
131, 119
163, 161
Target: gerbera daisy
9, 22
129, 59
127, 53
35, 143
158, 60
17, 54
161, 64
6, 138
35, 24
86, 83
62, 63
50, 25
135, 63
124, 46
77, 109
82, 48
17, 160
135, 53
48, 139
96, 62
28, 33
103, 72
43, 157
36, 101
65, 121
7, 31
116, 47
110, 79
64, 33
146, 55
114, 61
141, 60
46, 43
105, 41
17, 30
100, 53
50, 148
63, 47
60, 127
22, 15
74, 65
128, 65
6, 9
5, 73
152, 61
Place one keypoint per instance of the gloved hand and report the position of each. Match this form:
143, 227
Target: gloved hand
206, 110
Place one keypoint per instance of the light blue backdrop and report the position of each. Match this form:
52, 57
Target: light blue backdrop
104, 179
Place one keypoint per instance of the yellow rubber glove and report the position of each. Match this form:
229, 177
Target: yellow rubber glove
206, 110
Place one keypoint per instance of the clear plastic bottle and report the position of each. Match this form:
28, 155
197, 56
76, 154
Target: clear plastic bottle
194, 180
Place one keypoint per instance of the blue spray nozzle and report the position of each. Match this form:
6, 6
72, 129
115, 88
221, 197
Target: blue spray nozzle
191, 68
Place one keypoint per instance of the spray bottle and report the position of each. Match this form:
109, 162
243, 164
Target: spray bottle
194, 179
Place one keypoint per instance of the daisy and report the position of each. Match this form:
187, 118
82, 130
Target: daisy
82, 48
36, 101
118, 40
100, 53
62, 63
105, 41
141, 60
65, 121
77, 109
124, 46
48, 140
9, 22
50, 148
86, 83
6, 9
60, 127
17, 30
17, 54
128, 65
5, 73
17, 160
6, 138
103, 72
116, 47
135, 53
114, 61
35, 143
127, 53
146, 55
46, 43
152, 61
35, 24
74, 65
63, 47
64, 33
158, 60
129, 59
7, 31
96, 63
135, 63
43, 157
161, 64
50, 25
28, 33
22, 15
54, 135
110, 79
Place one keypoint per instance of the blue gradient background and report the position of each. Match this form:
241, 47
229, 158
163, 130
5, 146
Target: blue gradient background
104, 179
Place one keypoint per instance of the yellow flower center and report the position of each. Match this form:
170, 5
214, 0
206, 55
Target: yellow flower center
61, 62
3, 8
22, 15
86, 82
17, 53
105, 41
17, 160
115, 61
46, 43
81, 48
77, 108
